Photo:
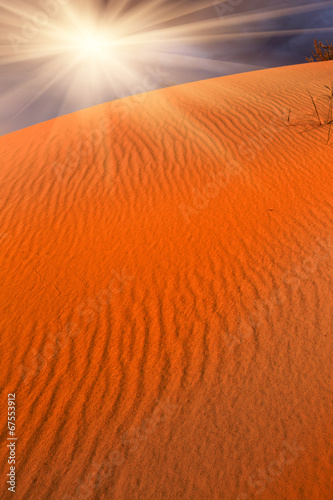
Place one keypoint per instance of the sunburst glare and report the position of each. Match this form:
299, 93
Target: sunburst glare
88, 53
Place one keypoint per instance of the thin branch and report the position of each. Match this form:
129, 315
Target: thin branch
315, 106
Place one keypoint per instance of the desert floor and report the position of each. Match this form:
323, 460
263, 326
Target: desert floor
166, 294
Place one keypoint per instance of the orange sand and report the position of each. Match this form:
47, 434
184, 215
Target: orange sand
166, 299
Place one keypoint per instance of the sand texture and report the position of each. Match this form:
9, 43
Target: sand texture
166, 294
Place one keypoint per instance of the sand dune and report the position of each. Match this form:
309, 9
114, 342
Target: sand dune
166, 298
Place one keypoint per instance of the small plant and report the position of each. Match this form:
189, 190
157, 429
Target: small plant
330, 110
329, 118
168, 84
322, 52
315, 107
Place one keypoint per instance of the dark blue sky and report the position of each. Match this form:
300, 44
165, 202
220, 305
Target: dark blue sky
27, 98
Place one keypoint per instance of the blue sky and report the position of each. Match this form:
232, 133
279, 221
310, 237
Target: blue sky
29, 95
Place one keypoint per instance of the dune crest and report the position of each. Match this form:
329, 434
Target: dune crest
166, 309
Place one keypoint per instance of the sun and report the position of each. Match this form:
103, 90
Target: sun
93, 45
87, 54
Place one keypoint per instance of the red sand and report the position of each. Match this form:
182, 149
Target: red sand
166, 298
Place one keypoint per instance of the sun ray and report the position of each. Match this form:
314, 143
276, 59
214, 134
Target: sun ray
203, 29
106, 51
48, 85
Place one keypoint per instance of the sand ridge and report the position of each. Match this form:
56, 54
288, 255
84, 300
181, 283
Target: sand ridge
166, 298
